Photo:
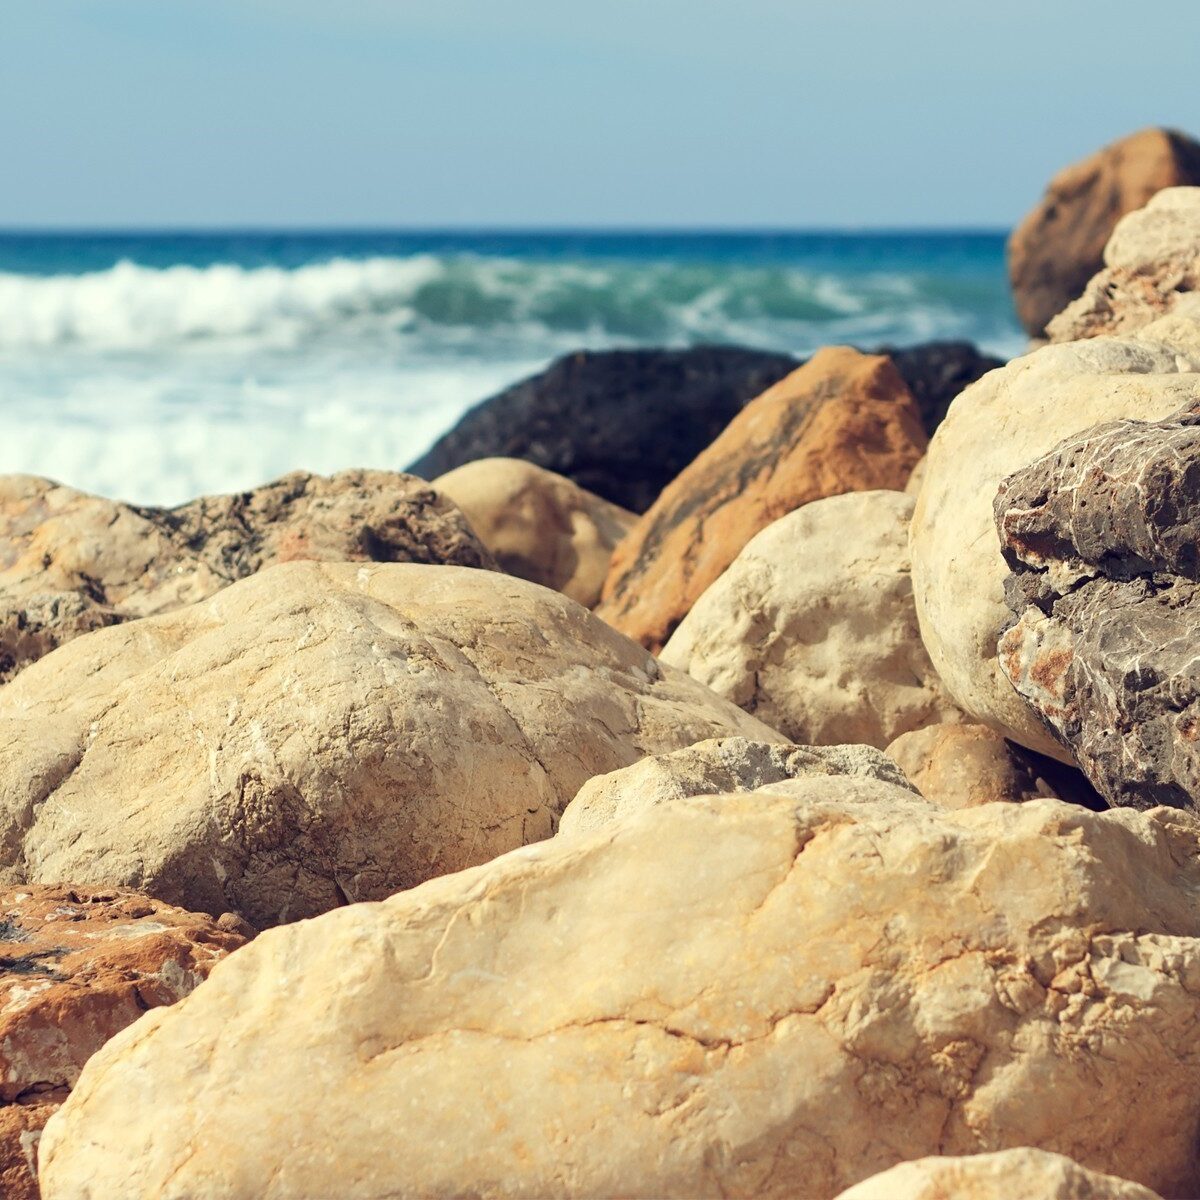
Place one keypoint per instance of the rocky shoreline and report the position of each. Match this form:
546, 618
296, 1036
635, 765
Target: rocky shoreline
726, 776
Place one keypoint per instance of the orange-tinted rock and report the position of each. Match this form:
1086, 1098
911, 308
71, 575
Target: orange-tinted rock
844, 422
76, 967
1059, 246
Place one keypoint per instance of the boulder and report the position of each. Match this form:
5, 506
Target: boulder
71, 562
844, 422
717, 767
1102, 538
935, 372
1020, 1174
1151, 263
538, 525
962, 766
736, 996
813, 629
1059, 246
76, 967
621, 423
322, 733
997, 426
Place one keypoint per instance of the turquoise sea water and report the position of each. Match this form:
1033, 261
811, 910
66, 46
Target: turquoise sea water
156, 366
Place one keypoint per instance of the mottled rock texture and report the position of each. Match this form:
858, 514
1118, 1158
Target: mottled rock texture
813, 629
1059, 246
538, 525
962, 766
621, 423
1021, 1174
321, 733
76, 967
717, 767
936, 372
71, 562
1103, 538
997, 426
844, 422
737, 996
1151, 263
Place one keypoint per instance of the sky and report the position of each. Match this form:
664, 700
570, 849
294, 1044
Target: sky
565, 113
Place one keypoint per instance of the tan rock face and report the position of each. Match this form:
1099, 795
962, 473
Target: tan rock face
813, 628
71, 562
843, 422
998, 425
540, 526
1021, 1174
76, 967
319, 733
735, 996
719, 766
1151, 263
1059, 246
962, 766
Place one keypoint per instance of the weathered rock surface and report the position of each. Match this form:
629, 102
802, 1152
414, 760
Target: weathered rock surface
1103, 538
319, 733
734, 996
935, 372
1151, 262
1021, 1174
720, 766
997, 426
71, 562
844, 422
962, 766
621, 423
1059, 246
76, 967
540, 526
813, 628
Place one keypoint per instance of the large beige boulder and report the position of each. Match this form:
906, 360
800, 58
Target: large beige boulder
738, 996
1151, 264
719, 766
321, 733
1058, 246
1021, 1174
997, 426
540, 526
76, 967
71, 562
813, 629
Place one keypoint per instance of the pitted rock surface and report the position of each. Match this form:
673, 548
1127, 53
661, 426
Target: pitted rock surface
1151, 264
1103, 539
71, 562
757, 995
77, 966
326, 732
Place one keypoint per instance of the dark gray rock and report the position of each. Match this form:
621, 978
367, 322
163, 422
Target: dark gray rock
936, 372
1102, 538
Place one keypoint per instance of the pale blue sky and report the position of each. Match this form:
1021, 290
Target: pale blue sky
562, 112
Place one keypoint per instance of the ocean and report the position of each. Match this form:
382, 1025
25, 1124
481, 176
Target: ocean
155, 367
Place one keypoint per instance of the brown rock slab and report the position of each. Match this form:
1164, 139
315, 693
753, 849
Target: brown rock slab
736, 996
539, 526
843, 422
1059, 246
71, 562
77, 966
319, 733
1102, 536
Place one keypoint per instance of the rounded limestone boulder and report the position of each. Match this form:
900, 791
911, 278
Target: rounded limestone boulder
539, 526
813, 629
323, 733
1021, 1174
997, 426
768, 995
